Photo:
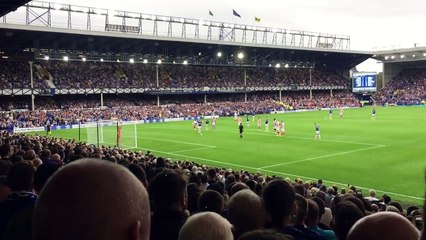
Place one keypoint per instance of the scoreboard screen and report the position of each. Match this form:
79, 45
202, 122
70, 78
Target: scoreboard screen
364, 82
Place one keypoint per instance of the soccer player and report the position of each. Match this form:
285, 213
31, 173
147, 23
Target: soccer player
342, 112
331, 113
235, 115
247, 121
373, 114
48, 128
239, 121
213, 122
317, 131
282, 130
241, 128
200, 125
275, 125
259, 123
207, 124
194, 124
252, 116
267, 125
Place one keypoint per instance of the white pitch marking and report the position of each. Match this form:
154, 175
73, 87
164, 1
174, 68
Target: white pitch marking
281, 173
324, 156
167, 140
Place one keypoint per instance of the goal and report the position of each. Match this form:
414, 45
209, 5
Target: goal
112, 133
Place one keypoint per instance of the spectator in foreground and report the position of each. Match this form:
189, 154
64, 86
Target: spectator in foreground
264, 235
300, 217
206, 226
383, 225
210, 201
92, 199
279, 202
245, 212
20, 179
312, 220
167, 191
346, 214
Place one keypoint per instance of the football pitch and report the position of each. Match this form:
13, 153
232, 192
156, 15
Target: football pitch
386, 154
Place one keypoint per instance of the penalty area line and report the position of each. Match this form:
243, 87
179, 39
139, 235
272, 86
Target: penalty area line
194, 149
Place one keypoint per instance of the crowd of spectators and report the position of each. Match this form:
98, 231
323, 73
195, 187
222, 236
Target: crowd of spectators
65, 111
16, 75
78, 75
408, 88
111, 193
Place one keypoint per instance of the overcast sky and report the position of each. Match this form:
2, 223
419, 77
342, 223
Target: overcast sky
370, 23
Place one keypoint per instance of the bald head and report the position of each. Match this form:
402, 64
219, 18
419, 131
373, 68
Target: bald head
246, 212
206, 226
382, 226
92, 199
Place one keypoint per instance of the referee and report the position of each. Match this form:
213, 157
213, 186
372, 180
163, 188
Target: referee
241, 127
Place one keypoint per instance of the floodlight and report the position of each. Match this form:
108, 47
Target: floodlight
102, 59
219, 54
132, 60
402, 56
393, 57
386, 57
83, 59
277, 65
145, 61
66, 58
185, 62
159, 61
286, 65
46, 58
240, 55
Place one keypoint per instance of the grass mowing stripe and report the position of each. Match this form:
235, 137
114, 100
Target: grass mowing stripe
194, 149
274, 172
324, 156
180, 142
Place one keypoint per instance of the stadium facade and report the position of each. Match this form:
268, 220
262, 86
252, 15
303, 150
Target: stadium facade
42, 31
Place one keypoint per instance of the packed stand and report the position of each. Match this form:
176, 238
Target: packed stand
162, 199
63, 111
124, 75
408, 88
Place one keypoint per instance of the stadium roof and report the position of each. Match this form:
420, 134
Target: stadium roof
401, 55
7, 6
14, 39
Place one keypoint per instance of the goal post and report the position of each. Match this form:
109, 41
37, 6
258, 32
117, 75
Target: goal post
112, 133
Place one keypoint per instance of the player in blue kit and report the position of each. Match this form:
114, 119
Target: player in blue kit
199, 126
267, 125
317, 131
373, 114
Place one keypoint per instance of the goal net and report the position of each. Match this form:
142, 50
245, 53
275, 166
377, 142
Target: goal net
112, 133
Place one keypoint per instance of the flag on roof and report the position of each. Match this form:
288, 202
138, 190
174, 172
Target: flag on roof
235, 13
256, 19
210, 13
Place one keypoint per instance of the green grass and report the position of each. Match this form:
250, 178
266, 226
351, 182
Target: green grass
387, 154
